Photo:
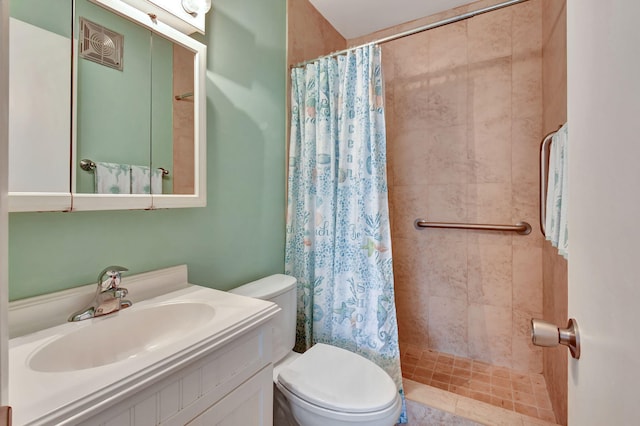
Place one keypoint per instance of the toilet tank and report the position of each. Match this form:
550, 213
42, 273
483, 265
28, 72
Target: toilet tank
281, 290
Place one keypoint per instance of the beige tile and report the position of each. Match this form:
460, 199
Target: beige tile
481, 377
527, 410
429, 355
525, 205
447, 202
462, 363
448, 325
527, 85
432, 397
527, 279
543, 402
439, 376
489, 203
447, 160
409, 203
526, 138
388, 64
479, 386
411, 55
481, 367
489, 151
410, 158
464, 380
460, 390
501, 372
486, 414
502, 392
527, 27
408, 267
447, 103
481, 396
523, 396
525, 356
448, 47
547, 415
532, 421
447, 270
503, 403
411, 106
439, 385
489, 91
490, 276
310, 34
490, 334
490, 35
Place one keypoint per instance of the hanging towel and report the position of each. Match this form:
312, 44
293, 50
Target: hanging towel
112, 178
140, 180
557, 193
156, 181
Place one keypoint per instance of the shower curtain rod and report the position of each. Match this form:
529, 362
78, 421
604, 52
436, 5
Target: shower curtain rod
431, 26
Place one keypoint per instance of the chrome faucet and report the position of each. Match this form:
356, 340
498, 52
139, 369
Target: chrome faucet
109, 295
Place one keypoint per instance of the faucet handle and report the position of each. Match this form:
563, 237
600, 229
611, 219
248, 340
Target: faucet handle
112, 281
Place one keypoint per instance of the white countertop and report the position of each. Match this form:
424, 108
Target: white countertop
65, 397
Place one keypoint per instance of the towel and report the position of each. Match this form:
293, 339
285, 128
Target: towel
557, 193
156, 181
145, 180
112, 178
140, 180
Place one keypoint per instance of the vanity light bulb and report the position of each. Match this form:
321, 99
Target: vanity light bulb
194, 7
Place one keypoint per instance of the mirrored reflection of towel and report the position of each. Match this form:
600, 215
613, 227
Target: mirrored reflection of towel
112, 178
140, 180
156, 181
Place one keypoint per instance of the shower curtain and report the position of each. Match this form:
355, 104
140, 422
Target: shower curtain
338, 242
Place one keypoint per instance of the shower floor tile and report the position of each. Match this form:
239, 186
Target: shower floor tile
525, 393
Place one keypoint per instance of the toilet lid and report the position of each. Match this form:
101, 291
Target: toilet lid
339, 380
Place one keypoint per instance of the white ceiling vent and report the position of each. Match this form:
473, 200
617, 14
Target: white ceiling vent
101, 45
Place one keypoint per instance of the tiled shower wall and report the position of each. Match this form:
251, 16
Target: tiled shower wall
309, 34
555, 302
464, 122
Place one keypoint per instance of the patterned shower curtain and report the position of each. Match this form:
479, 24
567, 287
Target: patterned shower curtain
338, 242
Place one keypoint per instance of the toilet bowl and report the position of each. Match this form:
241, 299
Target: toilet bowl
326, 385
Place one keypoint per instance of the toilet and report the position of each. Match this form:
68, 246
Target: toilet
327, 385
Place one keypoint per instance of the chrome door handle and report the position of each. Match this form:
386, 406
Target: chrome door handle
549, 335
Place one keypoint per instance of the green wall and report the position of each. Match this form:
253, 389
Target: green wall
239, 236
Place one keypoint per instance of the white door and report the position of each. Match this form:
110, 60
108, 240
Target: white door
4, 105
604, 173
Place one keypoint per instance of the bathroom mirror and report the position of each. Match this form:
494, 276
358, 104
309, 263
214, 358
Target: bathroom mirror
135, 136
40, 46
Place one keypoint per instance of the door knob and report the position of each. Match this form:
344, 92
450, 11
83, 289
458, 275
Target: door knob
549, 335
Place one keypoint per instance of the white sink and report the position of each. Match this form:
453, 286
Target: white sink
62, 372
124, 335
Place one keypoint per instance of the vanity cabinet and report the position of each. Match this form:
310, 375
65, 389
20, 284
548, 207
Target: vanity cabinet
120, 126
231, 386
209, 362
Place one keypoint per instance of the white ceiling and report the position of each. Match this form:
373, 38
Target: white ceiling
355, 18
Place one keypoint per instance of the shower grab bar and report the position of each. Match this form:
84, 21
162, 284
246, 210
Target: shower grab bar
183, 96
522, 228
544, 175
89, 166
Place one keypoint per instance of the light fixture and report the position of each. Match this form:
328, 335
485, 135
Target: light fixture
194, 7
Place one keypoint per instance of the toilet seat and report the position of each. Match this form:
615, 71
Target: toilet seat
312, 415
333, 381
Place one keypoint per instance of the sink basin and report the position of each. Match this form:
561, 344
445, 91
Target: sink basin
116, 337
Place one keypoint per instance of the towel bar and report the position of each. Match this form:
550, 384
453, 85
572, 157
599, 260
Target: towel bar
89, 166
522, 228
544, 174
